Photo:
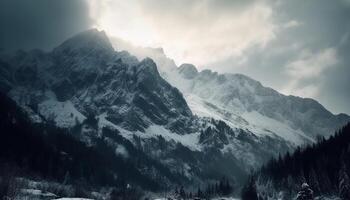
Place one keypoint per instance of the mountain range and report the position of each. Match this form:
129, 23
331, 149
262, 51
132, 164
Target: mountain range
241, 101
199, 125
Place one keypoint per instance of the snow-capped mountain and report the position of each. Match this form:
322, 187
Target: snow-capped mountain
201, 125
244, 103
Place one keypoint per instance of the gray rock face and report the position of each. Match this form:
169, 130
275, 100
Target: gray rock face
88, 72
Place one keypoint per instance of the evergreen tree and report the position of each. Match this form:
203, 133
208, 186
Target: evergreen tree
228, 189
190, 195
176, 193
182, 192
249, 191
67, 178
344, 184
290, 184
326, 185
217, 188
199, 192
305, 193
314, 181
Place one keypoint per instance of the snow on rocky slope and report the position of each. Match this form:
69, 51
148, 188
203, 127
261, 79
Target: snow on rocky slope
242, 102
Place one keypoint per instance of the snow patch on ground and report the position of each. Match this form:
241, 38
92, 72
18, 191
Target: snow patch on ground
35, 192
217, 198
69, 198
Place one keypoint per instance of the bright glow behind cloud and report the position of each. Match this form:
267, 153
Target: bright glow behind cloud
189, 31
122, 19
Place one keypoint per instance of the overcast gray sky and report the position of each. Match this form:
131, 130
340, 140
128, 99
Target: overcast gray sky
299, 47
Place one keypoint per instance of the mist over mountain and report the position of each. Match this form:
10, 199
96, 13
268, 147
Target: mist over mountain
172, 125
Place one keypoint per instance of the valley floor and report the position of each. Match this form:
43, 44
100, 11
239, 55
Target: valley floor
25, 189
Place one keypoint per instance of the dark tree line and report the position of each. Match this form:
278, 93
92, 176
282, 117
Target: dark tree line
219, 188
325, 166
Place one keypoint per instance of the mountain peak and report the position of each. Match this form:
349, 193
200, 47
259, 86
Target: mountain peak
188, 71
87, 51
89, 39
148, 65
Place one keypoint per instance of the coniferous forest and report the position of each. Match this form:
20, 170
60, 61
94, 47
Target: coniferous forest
324, 166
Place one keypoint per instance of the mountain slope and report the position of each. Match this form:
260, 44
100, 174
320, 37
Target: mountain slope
46, 152
243, 102
86, 72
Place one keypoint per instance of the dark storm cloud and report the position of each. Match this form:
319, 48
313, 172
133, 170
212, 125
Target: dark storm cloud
28, 24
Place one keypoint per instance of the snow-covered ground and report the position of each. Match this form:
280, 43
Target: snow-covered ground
36, 193
69, 198
216, 198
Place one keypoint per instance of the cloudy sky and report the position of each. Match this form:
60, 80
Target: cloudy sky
299, 47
